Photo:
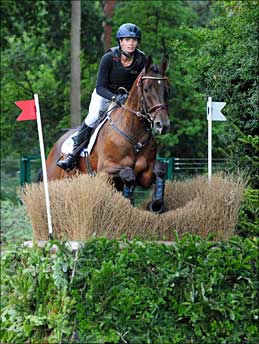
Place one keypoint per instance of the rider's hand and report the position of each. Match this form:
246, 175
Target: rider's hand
120, 98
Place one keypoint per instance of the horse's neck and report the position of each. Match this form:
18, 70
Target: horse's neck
131, 122
134, 99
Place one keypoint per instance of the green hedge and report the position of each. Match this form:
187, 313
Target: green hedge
194, 291
248, 220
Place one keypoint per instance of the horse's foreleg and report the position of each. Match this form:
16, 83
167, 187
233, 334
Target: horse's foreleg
157, 203
128, 177
124, 178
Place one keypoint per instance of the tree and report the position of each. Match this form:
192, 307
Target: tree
223, 65
108, 12
75, 94
35, 55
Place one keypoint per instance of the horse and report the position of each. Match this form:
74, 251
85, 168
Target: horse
125, 147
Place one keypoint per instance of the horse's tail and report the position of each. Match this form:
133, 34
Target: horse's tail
39, 177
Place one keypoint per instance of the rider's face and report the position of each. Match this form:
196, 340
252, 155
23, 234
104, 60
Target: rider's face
128, 44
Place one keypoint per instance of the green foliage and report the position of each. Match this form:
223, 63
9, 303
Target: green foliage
222, 65
33, 71
35, 58
194, 291
248, 221
250, 144
35, 302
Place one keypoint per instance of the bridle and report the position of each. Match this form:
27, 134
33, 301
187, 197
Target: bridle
145, 112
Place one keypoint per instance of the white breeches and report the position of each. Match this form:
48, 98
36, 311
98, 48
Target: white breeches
98, 104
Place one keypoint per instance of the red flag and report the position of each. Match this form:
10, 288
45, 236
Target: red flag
28, 110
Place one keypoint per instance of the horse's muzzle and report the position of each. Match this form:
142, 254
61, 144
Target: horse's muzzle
161, 127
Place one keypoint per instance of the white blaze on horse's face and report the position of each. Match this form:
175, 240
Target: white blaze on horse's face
155, 94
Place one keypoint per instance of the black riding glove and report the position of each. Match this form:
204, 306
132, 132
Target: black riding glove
120, 98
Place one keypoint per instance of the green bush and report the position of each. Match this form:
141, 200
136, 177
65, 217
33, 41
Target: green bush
35, 302
248, 221
194, 291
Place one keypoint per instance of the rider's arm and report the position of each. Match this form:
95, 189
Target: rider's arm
103, 77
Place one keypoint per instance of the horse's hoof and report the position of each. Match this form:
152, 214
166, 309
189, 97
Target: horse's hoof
156, 206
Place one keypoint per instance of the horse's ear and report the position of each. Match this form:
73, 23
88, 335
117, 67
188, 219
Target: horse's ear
148, 63
164, 64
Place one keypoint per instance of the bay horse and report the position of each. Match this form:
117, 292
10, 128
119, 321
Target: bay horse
125, 147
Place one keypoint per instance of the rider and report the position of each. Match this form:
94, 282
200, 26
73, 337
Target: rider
119, 67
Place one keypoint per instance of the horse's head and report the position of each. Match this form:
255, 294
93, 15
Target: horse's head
154, 88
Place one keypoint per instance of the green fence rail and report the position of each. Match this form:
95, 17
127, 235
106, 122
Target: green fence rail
17, 172
177, 168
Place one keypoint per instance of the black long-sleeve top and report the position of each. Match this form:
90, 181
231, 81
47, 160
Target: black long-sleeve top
112, 74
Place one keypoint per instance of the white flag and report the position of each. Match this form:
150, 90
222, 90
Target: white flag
216, 114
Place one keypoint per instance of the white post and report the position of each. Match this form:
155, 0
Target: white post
43, 163
209, 117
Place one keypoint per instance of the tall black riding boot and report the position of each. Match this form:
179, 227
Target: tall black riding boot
80, 140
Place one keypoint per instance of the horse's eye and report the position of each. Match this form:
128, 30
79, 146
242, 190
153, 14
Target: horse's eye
145, 89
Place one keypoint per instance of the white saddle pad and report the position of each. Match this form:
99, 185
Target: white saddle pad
68, 145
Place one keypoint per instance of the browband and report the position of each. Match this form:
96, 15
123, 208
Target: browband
154, 77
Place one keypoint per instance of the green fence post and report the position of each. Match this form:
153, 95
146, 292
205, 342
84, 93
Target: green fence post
28, 171
25, 166
170, 169
23, 169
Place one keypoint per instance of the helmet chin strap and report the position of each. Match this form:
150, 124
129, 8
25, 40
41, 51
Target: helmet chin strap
127, 54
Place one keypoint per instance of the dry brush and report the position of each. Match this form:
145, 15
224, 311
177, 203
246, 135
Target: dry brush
84, 206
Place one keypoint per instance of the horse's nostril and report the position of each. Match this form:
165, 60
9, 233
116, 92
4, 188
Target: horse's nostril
158, 125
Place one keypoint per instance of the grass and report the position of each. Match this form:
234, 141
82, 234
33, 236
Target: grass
15, 224
10, 180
